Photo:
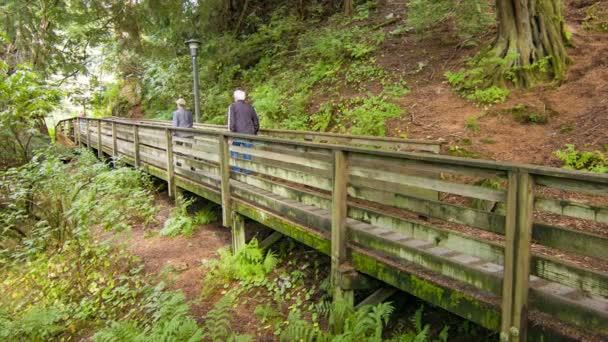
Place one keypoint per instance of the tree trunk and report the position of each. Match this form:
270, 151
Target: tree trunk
348, 7
532, 37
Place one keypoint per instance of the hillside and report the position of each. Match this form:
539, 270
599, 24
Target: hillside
377, 74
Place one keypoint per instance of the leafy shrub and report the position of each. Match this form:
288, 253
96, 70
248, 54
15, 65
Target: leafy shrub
68, 198
170, 321
35, 324
179, 221
250, 264
473, 83
368, 115
594, 161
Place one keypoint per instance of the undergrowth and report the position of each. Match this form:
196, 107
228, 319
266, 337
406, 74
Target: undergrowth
180, 222
595, 161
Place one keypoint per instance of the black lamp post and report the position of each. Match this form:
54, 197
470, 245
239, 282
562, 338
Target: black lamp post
194, 44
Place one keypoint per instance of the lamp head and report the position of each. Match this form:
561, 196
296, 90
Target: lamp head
193, 44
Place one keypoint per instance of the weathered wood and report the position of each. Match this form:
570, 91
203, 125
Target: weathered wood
265, 155
99, 146
270, 240
377, 297
422, 168
571, 240
286, 174
378, 179
136, 144
509, 261
521, 256
78, 132
567, 184
286, 164
572, 209
170, 173
114, 143
338, 222
238, 232
224, 160
88, 134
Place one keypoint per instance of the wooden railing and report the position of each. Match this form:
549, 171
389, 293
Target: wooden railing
387, 143
519, 249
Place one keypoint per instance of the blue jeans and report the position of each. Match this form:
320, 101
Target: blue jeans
241, 156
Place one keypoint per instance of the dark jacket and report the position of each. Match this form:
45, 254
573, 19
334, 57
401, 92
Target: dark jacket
183, 119
242, 118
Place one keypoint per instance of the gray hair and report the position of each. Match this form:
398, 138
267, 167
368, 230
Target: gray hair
239, 95
181, 103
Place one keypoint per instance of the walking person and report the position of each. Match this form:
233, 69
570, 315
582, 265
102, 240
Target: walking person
242, 119
182, 118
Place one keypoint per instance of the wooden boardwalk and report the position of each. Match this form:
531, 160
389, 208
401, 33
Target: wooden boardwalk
518, 249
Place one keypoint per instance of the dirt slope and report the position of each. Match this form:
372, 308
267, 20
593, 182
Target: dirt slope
435, 111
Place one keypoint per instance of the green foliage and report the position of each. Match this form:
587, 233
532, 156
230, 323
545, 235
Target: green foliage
167, 320
180, 222
24, 103
527, 115
368, 115
35, 324
67, 198
250, 264
472, 123
473, 83
469, 17
595, 161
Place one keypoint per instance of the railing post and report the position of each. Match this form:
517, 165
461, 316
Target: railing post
338, 225
523, 239
99, 146
114, 141
224, 158
136, 144
170, 174
88, 133
508, 273
78, 133
238, 232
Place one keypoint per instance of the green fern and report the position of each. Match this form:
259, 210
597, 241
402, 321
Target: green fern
218, 321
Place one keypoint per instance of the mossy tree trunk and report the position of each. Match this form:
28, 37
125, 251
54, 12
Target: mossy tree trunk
532, 37
348, 7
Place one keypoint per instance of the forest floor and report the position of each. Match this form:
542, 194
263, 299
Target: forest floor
181, 262
578, 106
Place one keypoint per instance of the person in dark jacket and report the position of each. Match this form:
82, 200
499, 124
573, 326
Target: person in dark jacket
182, 118
242, 119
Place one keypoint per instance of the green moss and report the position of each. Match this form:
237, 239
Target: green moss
309, 238
426, 290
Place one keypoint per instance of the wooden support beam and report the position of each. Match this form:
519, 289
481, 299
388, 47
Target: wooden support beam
270, 240
78, 133
338, 223
88, 133
377, 297
224, 154
99, 147
170, 173
521, 257
508, 274
238, 232
136, 145
114, 142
